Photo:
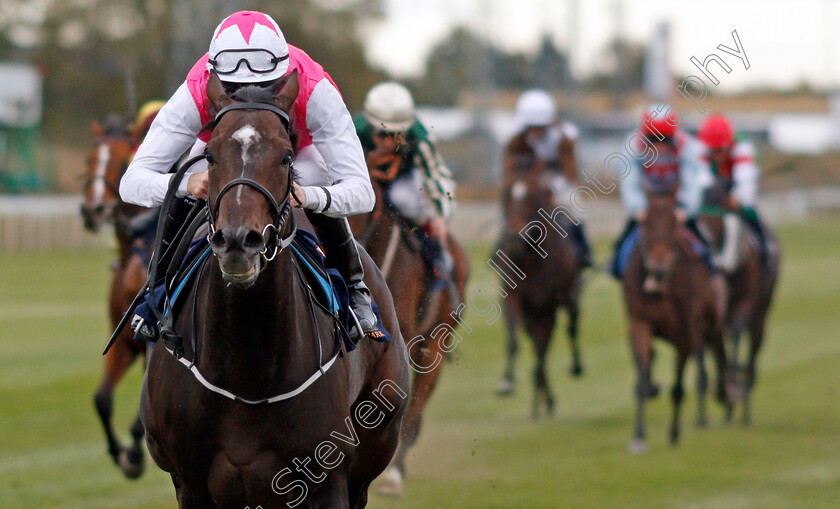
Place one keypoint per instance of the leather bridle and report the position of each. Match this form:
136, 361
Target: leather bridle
280, 211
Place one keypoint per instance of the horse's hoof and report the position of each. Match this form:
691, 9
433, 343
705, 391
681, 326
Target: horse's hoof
638, 446
674, 438
505, 388
577, 370
131, 463
392, 483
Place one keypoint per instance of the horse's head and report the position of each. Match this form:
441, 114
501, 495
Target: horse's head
659, 240
250, 181
524, 199
106, 163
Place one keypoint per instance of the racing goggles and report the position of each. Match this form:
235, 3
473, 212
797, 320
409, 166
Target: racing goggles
257, 60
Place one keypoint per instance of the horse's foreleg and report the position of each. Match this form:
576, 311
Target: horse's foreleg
541, 333
756, 340
117, 361
677, 393
421, 389
574, 314
640, 342
715, 340
702, 387
511, 308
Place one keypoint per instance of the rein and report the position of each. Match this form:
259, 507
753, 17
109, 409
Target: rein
281, 213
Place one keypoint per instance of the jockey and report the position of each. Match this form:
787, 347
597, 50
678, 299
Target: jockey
248, 48
676, 162
733, 164
544, 145
401, 155
145, 116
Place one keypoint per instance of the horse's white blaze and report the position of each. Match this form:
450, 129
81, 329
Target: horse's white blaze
103, 157
246, 136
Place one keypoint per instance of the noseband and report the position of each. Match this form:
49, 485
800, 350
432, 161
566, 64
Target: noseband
280, 212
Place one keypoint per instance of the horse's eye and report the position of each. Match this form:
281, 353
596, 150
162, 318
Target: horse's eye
287, 160
209, 157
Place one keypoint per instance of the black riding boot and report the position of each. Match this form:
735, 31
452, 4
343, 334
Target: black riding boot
584, 252
708, 245
340, 246
758, 227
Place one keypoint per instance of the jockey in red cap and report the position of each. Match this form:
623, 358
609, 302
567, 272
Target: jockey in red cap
736, 173
664, 156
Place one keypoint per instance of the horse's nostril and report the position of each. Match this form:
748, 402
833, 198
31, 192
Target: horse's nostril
218, 240
253, 241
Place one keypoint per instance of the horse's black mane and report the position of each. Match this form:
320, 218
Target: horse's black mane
253, 94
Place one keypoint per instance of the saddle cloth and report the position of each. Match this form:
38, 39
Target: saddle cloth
625, 251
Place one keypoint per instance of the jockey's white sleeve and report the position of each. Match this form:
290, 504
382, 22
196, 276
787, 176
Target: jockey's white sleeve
334, 136
695, 178
172, 132
632, 195
745, 174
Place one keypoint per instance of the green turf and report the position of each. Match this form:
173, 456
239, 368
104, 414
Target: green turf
475, 450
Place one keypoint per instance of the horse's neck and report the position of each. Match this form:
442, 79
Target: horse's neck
256, 339
382, 231
123, 240
124, 213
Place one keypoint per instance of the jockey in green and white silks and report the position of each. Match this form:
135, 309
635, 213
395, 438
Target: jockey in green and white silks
736, 173
664, 157
401, 155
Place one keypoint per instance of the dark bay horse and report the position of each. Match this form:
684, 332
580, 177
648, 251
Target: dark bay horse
750, 284
671, 293
106, 164
553, 281
388, 240
261, 387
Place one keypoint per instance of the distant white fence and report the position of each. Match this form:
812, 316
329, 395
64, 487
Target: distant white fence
37, 223
481, 221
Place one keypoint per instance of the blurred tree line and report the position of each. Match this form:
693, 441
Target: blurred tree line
105, 56
100, 56
466, 61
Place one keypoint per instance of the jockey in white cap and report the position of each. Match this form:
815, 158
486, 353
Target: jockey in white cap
544, 146
248, 48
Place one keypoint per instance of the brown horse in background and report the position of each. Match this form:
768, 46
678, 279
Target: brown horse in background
750, 286
394, 248
106, 163
553, 281
250, 327
671, 293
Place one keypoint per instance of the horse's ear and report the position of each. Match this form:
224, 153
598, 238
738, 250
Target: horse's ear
96, 129
289, 92
216, 92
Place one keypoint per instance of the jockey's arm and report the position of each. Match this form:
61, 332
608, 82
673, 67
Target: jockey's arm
695, 177
745, 175
334, 136
172, 132
632, 195
568, 162
438, 182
